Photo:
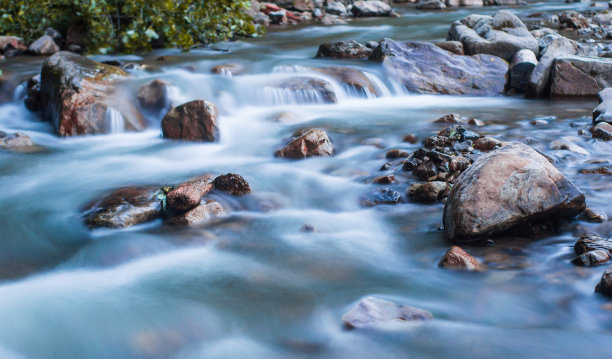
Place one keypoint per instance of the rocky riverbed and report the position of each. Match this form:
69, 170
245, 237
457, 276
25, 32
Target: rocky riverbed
423, 179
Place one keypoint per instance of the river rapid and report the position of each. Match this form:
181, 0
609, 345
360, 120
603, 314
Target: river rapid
252, 285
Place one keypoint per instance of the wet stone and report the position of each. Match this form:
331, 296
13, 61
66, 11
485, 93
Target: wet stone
457, 258
594, 215
591, 243
605, 284
198, 215
372, 311
396, 153
235, 184
380, 196
307, 143
596, 171
602, 131
410, 138
189, 194
388, 179
592, 258
428, 192
192, 121
124, 207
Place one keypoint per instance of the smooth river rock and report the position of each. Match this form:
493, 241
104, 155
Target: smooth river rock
507, 187
539, 81
124, 207
370, 8
580, 76
425, 68
457, 258
192, 121
307, 143
77, 94
372, 312
350, 49
503, 35
232, 183
605, 284
521, 67
189, 194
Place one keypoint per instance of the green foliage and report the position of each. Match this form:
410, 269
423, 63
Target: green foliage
130, 25
162, 196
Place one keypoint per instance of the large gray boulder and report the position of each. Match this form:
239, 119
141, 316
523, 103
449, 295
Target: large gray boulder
521, 68
580, 76
370, 8
425, 68
77, 95
501, 35
502, 189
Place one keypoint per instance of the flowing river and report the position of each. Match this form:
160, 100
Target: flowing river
252, 285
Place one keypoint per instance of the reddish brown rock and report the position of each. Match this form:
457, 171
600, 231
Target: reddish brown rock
189, 194
77, 94
486, 144
451, 118
596, 171
192, 121
12, 43
605, 284
124, 207
573, 20
154, 95
580, 76
307, 143
388, 179
371, 311
507, 187
410, 138
235, 184
457, 258
396, 153
198, 215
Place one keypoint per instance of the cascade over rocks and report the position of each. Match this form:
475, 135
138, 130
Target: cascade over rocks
192, 121
425, 68
76, 93
507, 187
503, 35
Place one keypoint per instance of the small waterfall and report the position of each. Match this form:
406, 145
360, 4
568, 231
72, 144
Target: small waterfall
114, 121
286, 96
175, 96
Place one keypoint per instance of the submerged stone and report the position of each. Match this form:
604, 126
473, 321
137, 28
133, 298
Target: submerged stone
372, 312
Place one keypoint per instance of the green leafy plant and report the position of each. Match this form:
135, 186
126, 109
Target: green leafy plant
130, 25
162, 196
